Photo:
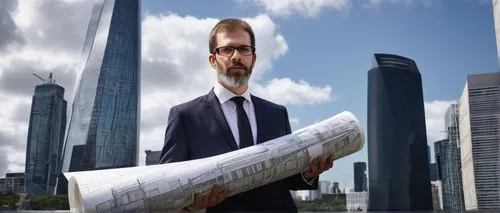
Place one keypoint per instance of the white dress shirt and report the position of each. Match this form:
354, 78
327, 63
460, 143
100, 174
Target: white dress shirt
229, 109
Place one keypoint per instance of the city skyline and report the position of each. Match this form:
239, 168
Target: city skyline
284, 61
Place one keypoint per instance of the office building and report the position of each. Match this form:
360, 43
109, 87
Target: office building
45, 141
437, 199
357, 201
360, 180
152, 157
324, 186
433, 174
438, 157
12, 183
479, 127
336, 188
103, 130
451, 175
398, 158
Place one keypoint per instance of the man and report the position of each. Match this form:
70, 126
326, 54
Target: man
229, 118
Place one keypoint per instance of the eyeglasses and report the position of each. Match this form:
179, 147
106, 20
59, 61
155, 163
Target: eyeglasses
228, 50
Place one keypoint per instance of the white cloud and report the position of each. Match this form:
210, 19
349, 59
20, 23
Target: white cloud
312, 8
434, 119
286, 91
309, 8
174, 68
374, 3
294, 123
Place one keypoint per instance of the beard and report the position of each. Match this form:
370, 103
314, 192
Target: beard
234, 79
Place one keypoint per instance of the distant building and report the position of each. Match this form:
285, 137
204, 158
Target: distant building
308, 195
12, 183
152, 157
360, 180
103, 130
433, 174
45, 141
324, 186
336, 188
438, 155
357, 201
314, 194
453, 199
398, 158
437, 199
479, 122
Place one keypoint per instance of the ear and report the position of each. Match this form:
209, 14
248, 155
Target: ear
254, 58
212, 60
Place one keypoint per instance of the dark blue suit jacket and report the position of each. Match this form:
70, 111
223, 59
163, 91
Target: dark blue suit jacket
198, 129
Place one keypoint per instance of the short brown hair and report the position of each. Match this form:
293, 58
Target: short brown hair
229, 24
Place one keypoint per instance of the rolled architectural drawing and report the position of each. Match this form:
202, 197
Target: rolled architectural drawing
170, 187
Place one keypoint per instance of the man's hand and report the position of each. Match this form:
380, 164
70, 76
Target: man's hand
216, 196
318, 165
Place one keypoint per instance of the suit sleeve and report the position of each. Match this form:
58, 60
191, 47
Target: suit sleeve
297, 182
175, 147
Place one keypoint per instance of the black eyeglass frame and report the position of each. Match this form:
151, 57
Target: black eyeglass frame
217, 50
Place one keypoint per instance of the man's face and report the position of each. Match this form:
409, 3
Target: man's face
233, 67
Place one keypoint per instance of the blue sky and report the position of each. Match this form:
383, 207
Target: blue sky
313, 57
447, 39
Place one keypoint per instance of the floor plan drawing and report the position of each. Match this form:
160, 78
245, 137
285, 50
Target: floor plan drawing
170, 187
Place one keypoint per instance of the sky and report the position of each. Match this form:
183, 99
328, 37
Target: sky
312, 56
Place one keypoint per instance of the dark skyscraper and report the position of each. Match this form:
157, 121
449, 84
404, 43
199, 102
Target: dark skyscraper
438, 155
433, 176
103, 130
45, 138
360, 181
398, 160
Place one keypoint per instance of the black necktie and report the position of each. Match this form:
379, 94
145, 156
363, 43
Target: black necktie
246, 137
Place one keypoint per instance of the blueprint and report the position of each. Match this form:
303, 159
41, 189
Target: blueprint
170, 187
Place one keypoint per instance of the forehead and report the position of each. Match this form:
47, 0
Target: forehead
233, 37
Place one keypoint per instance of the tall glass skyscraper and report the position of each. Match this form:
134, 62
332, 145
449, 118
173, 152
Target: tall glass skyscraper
449, 158
479, 127
103, 130
45, 138
398, 160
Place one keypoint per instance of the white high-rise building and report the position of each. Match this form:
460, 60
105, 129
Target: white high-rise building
479, 122
357, 201
324, 187
437, 195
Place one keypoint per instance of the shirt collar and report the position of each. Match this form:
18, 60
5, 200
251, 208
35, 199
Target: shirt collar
224, 94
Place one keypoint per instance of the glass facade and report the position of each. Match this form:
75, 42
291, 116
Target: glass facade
103, 130
398, 159
360, 180
450, 168
45, 139
479, 127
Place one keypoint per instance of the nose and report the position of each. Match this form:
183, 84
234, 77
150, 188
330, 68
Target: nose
236, 55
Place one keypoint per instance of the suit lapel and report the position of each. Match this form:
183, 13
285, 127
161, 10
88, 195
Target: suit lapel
213, 103
258, 117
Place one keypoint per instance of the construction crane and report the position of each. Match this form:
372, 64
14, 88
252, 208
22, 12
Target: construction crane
50, 81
